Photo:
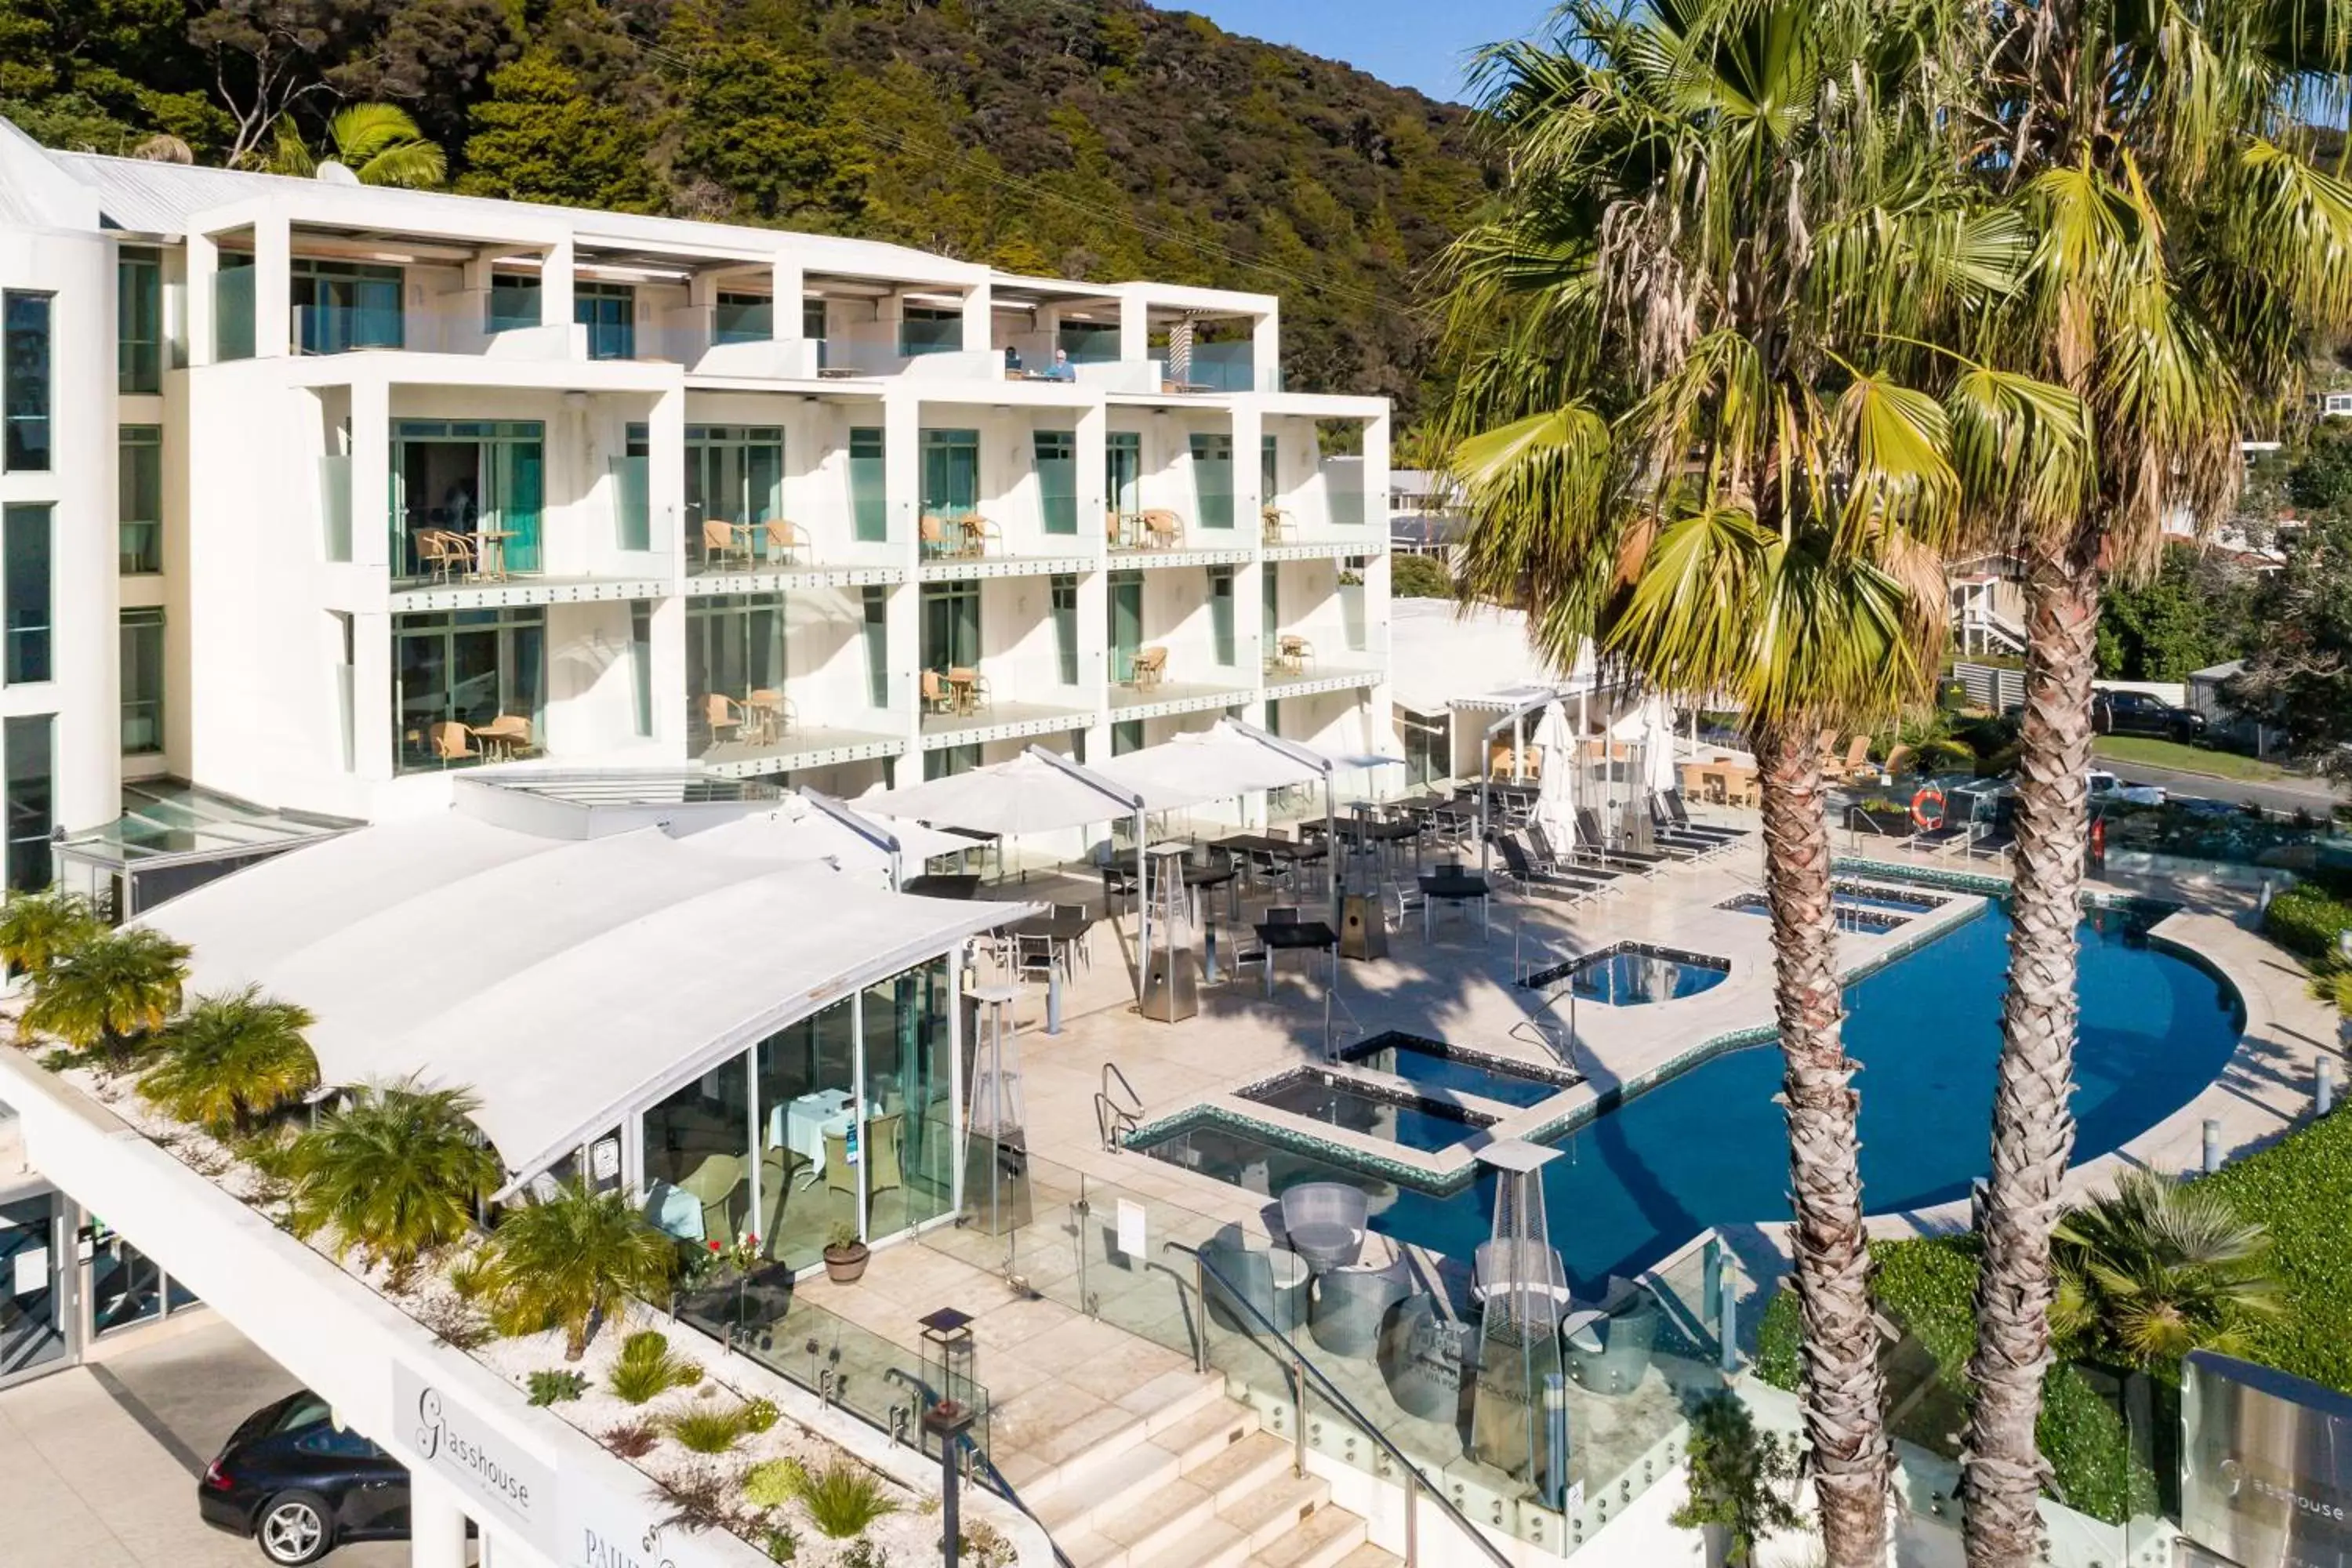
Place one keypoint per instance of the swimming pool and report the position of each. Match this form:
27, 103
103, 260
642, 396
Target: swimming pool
1632, 973
1708, 1147
1337, 1101
1861, 906
1853, 917
1433, 1065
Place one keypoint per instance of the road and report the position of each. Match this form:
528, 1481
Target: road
2287, 795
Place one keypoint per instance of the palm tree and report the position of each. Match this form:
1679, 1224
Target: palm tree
109, 989
2186, 247
35, 929
396, 1174
1719, 212
230, 1058
572, 1260
2157, 1269
380, 144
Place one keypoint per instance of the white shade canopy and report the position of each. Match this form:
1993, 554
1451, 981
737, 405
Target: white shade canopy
1555, 791
797, 831
1215, 763
1026, 794
565, 980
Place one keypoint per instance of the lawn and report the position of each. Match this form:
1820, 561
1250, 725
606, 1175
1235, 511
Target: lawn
2186, 759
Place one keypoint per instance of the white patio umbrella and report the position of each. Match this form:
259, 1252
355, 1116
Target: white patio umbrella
1555, 794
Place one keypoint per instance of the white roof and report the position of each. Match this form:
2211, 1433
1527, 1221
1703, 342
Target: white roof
1026, 794
565, 980
1215, 763
1443, 657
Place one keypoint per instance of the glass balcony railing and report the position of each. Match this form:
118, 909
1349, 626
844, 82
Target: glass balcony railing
334, 329
233, 313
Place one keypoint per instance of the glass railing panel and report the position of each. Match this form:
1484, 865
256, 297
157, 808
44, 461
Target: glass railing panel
744, 323
233, 313
633, 504
922, 337
1224, 367
335, 505
339, 329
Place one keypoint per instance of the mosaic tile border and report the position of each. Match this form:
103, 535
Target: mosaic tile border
1568, 967
1472, 1118
1473, 1055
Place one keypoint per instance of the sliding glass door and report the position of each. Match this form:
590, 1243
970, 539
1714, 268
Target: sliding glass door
483, 480
458, 676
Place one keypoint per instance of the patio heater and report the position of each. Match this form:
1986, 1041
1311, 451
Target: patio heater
996, 1156
951, 1404
1517, 1423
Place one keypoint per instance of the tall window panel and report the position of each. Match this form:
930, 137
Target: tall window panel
139, 498
138, 319
1220, 614
25, 382
876, 606
143, 682
1066, 628
641, 665
28, 746
25, 596
867, 513
1057, 479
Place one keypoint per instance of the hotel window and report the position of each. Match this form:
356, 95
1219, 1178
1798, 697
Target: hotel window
1269, 470
949, 761
467, 684
929, 330
1221, 613
1057, 479
1126, 735
514, 302
342, 305
868, 513
1213, 479
951, 472
1123, 471
24, 545
139, 498
609, 311
743, 319
878, 647
138, 319
1065, 627
233, 306
951, 626
25, 382
26, 754
813, 326
143, 682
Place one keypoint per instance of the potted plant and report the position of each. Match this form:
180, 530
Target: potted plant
845, 1255
1881, 813
1738, 1480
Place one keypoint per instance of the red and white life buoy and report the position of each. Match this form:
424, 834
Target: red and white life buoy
1928, 809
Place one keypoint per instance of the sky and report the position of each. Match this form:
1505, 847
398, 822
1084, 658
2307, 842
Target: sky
1413, 42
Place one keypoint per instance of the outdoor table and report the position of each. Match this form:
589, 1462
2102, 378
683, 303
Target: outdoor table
800, 1125
503, 733
963, 687
493, 562
1199, 877
1059, 932
1454, 887
1295, 934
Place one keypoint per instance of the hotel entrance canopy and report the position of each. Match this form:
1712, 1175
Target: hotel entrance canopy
566, 981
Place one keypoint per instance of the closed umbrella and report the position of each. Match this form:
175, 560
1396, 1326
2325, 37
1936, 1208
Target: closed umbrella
1555, 794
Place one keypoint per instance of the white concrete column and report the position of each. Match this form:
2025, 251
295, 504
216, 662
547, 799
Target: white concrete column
668, 668
1265, 350
555, 286
437, 1525
1134, 329
1094, 504
273, 287
1249, 499
978, 318
371, 473
666, 477
204, 262
1376, 474
790, 284
905, 629
371, 696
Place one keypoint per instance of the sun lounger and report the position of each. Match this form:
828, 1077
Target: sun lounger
1536, 882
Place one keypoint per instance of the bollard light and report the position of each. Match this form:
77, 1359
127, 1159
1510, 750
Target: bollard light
2212, 1144
2324, 1094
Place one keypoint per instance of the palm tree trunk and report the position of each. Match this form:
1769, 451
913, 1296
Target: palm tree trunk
2033, 1126
1844, 1394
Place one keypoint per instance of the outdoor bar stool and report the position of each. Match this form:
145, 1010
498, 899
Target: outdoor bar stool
1324, 1223
1351, 1303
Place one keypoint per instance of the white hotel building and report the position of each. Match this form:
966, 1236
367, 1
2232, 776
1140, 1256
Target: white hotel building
318, 494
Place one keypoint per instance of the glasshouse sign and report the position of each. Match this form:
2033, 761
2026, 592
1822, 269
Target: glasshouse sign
2266, 1464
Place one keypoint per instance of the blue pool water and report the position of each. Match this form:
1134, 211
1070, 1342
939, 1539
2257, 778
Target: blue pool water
1708, 1147
1633, 974
1322, 1096
1426, 1066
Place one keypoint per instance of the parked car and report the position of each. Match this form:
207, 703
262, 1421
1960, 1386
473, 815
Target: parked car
299, 1485
2137, 714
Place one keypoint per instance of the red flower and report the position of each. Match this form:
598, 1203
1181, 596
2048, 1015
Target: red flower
714, 1246
750, 1241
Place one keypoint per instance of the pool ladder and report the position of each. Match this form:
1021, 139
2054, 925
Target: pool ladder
1115, 1117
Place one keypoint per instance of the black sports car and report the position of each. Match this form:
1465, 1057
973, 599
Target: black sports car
300, 1486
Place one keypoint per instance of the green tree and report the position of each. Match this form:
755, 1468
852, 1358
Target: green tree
2185, 246
2298, 675
395, 1174
2157, 1269
378, 142
572, 1261
759, 125
1738, 1479
2192, 615
539, 139
2320, 482
231, 1058
1419, 577
1717, 217
107, 990
37, 929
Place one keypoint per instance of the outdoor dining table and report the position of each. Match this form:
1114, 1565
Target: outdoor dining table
801, 1124
1061, 933
492, 566
1296, 935
1455, 887
1210, 878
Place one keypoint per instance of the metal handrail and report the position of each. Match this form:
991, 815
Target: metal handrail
1110, 1116
995, 1480
1301, 1369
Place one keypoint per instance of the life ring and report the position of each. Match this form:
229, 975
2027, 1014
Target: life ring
1929, 797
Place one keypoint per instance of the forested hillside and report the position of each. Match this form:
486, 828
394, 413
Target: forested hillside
1082, 138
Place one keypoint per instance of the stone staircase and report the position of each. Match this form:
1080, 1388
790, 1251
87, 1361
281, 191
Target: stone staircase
1195, 1484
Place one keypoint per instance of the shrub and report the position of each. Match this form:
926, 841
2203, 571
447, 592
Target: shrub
1738, 1477
571, 1259
774, 1483
760, 1414
469, 1278
230, 1059
2299, 1190
648, 1368
2305, 920
983, 1545
1419, 577
779, 1544
707, 1431
633, 1440
553, 1386
864, 1553
396, 1174
37, 929
844, 1498
109, 991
